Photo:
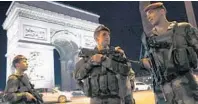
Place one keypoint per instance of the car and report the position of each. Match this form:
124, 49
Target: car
77, 93
54, 95
141, 86
79, 97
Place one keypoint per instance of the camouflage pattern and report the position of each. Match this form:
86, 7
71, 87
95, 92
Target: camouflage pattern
180, 89
15, 90
93, 79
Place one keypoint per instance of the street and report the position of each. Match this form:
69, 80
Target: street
141, 97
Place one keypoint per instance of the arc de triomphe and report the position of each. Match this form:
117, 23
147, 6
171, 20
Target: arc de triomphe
36, 28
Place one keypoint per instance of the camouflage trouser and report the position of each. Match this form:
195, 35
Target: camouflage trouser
96, 100
178, 91
159, 98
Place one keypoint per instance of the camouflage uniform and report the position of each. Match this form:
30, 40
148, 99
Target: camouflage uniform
15, 89
107, 82
177, 66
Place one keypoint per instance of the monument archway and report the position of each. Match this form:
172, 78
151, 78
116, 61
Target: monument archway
36, 28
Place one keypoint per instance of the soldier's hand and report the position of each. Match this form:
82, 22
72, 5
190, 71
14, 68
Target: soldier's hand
118, 49
97, 58
146, 63
29, 96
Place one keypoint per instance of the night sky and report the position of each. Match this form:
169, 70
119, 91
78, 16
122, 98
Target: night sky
123, 19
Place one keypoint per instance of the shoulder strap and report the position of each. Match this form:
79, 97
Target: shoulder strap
38, 97
173, 46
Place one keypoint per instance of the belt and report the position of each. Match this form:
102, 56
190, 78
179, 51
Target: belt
170, 77
173, 76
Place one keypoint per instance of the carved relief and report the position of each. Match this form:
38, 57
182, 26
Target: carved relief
33, 32
34, 63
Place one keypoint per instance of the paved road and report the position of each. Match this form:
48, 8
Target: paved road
141, 97
144, 97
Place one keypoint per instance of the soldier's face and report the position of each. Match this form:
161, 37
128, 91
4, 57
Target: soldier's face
103, 38
22, 65
154, 16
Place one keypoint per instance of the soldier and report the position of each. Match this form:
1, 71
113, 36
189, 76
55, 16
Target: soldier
19, 89
103, 73
171, 57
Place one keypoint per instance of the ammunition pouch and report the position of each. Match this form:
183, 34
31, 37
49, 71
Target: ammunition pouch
101, 85
184, 59
87, 87
192, 56
113, 84
181, 60
95, 88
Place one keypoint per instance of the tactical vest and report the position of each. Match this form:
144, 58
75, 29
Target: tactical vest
172, 50
104, 82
